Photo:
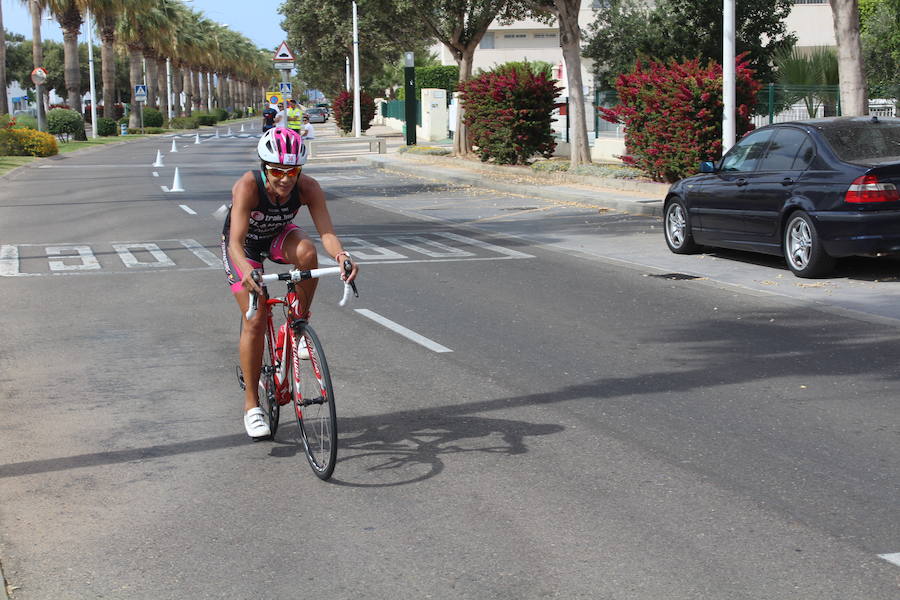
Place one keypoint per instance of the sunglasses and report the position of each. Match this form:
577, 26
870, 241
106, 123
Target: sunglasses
278, 173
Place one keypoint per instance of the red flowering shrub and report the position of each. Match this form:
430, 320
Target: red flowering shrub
508, 112
672, 114
343, 111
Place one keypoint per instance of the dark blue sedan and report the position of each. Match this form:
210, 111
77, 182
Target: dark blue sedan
811, 191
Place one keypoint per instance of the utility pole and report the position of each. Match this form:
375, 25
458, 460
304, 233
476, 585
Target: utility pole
409, 90
728, 76
356, 112
90, 36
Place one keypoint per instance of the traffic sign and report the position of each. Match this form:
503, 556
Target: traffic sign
284, 66
38, 76
140, 93
274, 97
283, 53
286, 88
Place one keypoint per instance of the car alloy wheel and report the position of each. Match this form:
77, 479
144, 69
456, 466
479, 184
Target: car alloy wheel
802, 249
677, 229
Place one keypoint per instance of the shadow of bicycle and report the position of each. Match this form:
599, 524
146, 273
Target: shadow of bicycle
413, 447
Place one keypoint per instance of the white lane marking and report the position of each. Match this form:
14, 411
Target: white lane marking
155, 174
202, 253
9, 262
418, 243
89, 262
407, 333
164, 188
893, 558
485, 245
132, 262
368, 251
187, 209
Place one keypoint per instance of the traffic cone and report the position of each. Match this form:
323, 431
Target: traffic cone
159, 162
174, 147
242, 128
229, 131
217, 133
176, 183
197, 138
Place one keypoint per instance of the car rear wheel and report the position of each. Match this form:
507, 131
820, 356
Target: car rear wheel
678, 228
803, 250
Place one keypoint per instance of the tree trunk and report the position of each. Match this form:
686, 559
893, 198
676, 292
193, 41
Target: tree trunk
188, 92
195, 87
71, 21
204, 92
570, 42
854, 95
152, 83
135, 57
211, 89
220, 97
4, 106
108, 65
177, 88
461, 144
162, 84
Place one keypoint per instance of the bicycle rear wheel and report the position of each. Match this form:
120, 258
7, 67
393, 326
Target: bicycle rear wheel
313, 399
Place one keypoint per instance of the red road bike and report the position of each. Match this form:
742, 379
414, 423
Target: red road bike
288, 377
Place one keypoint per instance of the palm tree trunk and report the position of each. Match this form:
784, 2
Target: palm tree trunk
135, 57
71, 21
204, 91
195, 88
220, 95
108, 65
4, 106
152, 83
177, 88
37, 56
188, 92
163, 87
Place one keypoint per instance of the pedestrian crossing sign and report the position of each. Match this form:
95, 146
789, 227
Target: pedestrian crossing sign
286, 88
140, 93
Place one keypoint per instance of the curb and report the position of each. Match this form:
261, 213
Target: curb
599, 196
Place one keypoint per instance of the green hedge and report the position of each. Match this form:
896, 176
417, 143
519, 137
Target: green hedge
220, 113
205, 118
444, 77
107, 127
152, 117
63, 122
184, 123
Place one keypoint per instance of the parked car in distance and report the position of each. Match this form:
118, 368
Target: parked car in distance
317, 115
811, 191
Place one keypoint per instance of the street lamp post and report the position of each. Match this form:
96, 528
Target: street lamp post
356, 112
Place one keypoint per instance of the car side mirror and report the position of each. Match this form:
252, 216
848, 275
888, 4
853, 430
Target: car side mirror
707, 167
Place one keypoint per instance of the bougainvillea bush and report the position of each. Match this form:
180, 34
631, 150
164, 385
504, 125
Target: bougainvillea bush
509, 112
672, 114
343, 111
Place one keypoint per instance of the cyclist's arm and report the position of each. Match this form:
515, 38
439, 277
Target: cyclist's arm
243, 200
315, 200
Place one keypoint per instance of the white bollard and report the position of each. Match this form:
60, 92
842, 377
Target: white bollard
158, 162
176, 183
197, 138
174, 147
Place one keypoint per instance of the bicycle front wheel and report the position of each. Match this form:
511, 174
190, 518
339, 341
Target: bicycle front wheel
313, 400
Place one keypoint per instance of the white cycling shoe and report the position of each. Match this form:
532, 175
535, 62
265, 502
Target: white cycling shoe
255, 423
302, 350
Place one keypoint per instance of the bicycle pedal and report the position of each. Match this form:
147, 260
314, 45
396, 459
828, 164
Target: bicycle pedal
240, 377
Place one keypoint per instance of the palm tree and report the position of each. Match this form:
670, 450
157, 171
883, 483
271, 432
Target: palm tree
4, 106
106, 15
142, 24
68, 14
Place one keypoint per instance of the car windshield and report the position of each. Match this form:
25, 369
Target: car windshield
865, 143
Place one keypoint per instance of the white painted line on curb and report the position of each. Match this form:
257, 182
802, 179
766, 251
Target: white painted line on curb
893, 558
407, 333
187, 209
155, 174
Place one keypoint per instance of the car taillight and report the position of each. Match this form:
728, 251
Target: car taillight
867, 188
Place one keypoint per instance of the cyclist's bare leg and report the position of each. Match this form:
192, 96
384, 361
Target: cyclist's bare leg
252, 346
300, 250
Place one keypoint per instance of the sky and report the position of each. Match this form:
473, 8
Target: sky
258, 20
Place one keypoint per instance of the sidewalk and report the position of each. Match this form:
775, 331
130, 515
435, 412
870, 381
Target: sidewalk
624, 195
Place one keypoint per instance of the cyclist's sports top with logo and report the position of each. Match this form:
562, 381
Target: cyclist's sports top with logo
269, 225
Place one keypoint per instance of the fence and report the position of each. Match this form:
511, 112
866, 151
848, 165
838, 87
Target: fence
396, 109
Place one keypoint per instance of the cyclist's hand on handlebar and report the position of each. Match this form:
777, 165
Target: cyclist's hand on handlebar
353, 270
251, 280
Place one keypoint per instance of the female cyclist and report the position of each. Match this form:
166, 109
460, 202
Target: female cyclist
259, 225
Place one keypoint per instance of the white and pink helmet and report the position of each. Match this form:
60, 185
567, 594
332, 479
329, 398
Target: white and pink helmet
282, 146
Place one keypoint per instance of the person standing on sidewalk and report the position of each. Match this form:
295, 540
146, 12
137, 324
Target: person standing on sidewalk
307, 131
294, 116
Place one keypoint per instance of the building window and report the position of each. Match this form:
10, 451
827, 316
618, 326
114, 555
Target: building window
487, 42
810, 1
515, 35
546, 35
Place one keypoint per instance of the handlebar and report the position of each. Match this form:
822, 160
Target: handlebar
301, 275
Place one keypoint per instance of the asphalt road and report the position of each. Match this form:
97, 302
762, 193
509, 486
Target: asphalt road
583, 421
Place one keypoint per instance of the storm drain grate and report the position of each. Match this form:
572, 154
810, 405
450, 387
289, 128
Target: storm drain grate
674, 276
